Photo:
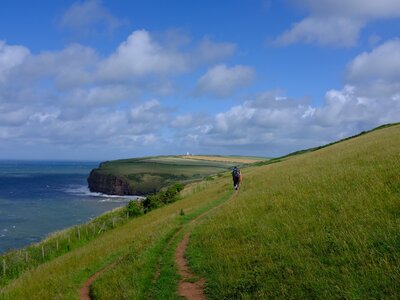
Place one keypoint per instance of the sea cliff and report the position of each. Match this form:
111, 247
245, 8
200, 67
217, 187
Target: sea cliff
148, 175
109, 184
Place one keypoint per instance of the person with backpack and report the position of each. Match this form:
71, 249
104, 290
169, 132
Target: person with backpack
236, 176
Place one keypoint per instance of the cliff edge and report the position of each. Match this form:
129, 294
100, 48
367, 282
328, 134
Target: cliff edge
109, 184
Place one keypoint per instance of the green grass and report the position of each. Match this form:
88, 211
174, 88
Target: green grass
323, 225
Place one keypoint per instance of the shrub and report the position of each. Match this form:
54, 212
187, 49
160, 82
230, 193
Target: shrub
134, 208
151, 202
163, 197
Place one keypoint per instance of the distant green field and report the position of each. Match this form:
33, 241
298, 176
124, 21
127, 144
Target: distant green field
150, 174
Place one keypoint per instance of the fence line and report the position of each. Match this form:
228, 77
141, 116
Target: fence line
15, 262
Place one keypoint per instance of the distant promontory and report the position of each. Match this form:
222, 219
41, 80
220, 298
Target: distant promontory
142, 176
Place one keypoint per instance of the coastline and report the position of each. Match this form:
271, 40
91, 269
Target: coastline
121, 201
38, 198
59, 242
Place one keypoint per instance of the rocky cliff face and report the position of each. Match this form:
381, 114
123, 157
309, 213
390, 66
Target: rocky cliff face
109, 184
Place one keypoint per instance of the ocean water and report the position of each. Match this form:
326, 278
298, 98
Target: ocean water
40, 197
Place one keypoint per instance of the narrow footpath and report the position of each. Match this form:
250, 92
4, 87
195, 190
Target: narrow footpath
190, 286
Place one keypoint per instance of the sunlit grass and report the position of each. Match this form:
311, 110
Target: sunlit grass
320, 225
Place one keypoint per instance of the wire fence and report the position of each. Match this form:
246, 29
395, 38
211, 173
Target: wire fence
15, 262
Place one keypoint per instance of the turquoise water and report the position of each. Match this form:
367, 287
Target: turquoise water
40, 197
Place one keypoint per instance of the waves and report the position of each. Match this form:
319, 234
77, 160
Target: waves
83, 191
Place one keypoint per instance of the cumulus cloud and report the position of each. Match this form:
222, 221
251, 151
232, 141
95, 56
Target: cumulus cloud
101, 95
337, 22
75, 97
10, 57
189, 121
336, 31
11, 115
208, 51
86, 17
270, 124
70, 67
141, 55
381, 63
222, 81
351, 8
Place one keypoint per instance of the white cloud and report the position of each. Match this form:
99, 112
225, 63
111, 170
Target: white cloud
222, 81
84, 18
140, 55
189, 121
351, 8
383, 63
13, 116
337, 22
10, 57
336, 31
101, 95
274, 125
72, 66
208, 51
148, 117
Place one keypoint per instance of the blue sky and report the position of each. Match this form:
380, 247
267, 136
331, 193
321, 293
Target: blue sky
111, 79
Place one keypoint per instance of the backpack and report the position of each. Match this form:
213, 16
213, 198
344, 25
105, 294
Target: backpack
236, 173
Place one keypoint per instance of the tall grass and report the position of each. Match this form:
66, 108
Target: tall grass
320, 225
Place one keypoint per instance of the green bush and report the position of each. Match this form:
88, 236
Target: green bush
161, 198
134, 208
151, 202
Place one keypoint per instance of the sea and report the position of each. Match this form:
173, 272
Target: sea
40, 197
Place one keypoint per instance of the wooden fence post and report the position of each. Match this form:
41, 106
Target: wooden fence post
79, 234
42, 251
113, 222
26, 257
57, 244
4, 267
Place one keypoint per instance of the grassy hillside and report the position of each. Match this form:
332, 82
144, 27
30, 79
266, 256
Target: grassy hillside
324, 225
319, 225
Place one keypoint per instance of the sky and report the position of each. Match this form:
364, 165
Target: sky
100, 80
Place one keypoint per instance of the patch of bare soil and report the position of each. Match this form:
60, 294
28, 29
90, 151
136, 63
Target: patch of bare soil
84, 292
189, 287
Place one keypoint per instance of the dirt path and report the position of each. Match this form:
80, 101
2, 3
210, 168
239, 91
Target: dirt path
190, 286
84, 292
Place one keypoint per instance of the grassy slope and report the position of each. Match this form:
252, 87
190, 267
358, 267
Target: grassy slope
135, 246
322, 225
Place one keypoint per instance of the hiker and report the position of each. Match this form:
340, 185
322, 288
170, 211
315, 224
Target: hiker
236, 176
